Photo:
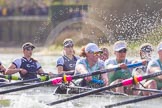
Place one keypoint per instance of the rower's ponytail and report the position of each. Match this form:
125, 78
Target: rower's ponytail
82, 52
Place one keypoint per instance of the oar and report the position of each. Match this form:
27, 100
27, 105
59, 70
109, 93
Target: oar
61, 74
42, 78
123, 83
87, 89
148, 90
10, 77
65, 78
134, 100
54, 75
25, 81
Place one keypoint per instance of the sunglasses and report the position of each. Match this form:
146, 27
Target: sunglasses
123, 51
96, 53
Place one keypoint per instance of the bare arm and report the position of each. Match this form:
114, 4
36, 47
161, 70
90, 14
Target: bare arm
59, 69
105, 79
81, 69
155, 69
12, 69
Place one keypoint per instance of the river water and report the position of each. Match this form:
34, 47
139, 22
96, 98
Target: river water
40, 96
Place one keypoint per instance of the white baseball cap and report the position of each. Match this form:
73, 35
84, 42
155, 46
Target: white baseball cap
92, 47
159, 46
119, 45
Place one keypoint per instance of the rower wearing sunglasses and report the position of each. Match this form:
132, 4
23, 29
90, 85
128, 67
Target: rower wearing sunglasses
120, 51
67, 61
27, 66
91, 63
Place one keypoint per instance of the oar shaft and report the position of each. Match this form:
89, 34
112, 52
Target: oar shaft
69, 78
25, 87
147, 90
20, 82
85, 94
61, 74
105, 71
86, 89
134, 100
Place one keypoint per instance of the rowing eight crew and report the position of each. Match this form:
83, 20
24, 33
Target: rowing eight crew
89, 62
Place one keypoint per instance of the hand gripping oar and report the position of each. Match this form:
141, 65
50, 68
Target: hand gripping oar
66, 78
126, 82
135, 100
10, 77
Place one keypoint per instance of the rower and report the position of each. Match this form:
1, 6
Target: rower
67, 61
154, 66
90, 63
2, 70
105, 55
146, 50
120, 60
27, 66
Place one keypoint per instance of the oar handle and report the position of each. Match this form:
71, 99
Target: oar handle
134, 65
94, 80
10, 77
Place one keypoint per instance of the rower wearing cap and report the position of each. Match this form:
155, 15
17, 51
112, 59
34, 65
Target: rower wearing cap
153, 67
27, 67
91, 63
120, 60
146, 50
68, 60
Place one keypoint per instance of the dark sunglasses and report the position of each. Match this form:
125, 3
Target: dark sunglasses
96, 53
123, 51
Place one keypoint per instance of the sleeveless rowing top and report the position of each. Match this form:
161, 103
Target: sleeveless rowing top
118, 74
98, 66
32, 66
156, 63
66, 63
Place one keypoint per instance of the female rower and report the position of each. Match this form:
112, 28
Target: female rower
120, 51
105, 55
155, 66
27, 67
67, 61
91, 63
146, 50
